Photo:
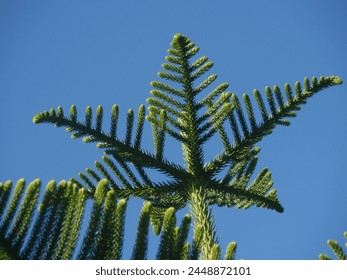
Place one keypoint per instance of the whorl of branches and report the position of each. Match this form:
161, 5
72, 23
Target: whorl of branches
184, 106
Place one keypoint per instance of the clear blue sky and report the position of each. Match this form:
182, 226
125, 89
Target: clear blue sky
105, 52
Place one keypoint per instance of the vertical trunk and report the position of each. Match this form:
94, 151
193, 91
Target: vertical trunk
203, 219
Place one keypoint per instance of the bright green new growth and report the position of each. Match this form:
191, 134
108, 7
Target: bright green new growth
58, 224
337, 249
185, 107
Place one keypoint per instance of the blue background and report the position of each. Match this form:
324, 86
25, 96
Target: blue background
58, 53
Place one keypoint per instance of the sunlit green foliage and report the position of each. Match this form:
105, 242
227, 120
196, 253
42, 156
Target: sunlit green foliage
187, 108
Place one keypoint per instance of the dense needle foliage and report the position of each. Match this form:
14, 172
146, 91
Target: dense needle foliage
185, 106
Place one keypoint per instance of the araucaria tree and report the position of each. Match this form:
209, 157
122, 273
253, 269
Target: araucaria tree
185, 107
